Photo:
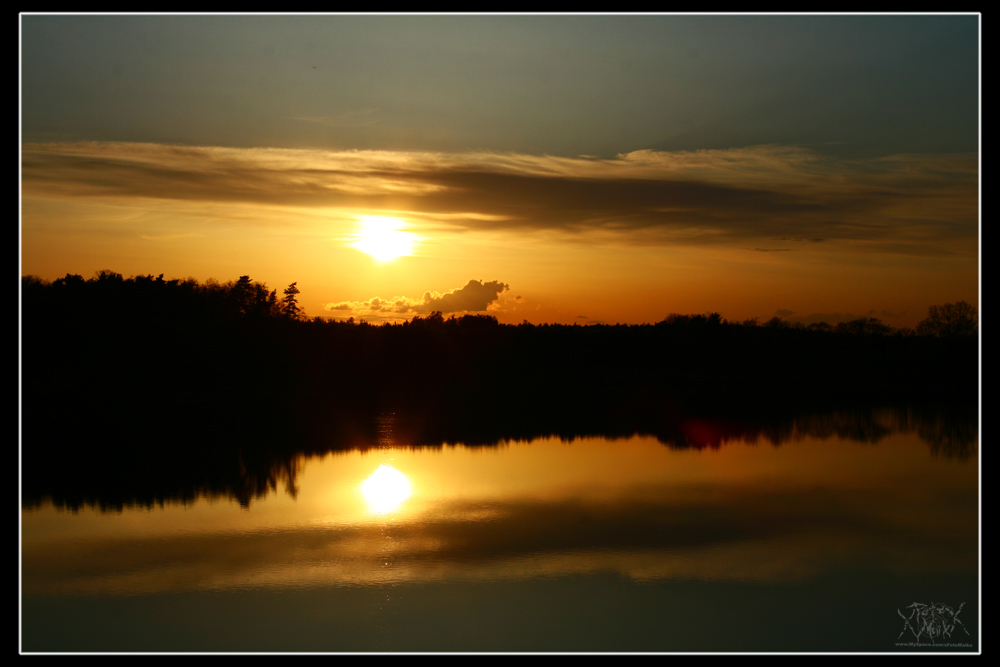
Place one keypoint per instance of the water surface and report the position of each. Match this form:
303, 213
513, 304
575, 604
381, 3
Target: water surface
819, 543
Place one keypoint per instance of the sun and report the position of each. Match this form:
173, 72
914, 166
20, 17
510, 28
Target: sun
380, 237
385, 489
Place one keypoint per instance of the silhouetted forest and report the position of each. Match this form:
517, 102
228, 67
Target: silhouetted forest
144, 372
147, 477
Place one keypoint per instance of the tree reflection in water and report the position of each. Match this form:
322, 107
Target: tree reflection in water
116, 477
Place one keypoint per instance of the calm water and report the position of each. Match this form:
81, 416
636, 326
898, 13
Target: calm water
821, 543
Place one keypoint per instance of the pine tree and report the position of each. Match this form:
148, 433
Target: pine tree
290, 305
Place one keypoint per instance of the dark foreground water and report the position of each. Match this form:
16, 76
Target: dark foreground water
830, 542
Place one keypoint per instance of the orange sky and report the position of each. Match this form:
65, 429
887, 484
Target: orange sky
754, 215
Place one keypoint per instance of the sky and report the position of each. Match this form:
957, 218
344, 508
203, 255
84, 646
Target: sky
561, 168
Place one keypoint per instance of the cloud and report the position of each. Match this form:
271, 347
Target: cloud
748, 197
476, 296
357, 118
168, 237
801, 239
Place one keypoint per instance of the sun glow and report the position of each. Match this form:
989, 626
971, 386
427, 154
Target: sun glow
380, 237
385, 489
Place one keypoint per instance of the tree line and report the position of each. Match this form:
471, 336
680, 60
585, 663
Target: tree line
108, 292
190, 362
138, 379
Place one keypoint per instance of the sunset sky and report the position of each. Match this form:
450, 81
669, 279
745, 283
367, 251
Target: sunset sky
567, 168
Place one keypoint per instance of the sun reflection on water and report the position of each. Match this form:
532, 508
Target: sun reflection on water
385, 489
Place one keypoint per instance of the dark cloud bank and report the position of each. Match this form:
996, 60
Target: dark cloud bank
914, 204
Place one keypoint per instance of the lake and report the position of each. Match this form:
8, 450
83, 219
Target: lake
829, 533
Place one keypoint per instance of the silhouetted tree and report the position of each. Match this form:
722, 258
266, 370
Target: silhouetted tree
107, 276
864, 326
290, 305
950, 320
74, 280
435, 320
677, 320
252, 298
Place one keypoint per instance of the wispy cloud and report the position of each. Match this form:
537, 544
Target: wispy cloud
358, 118
912, 204
168, 237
